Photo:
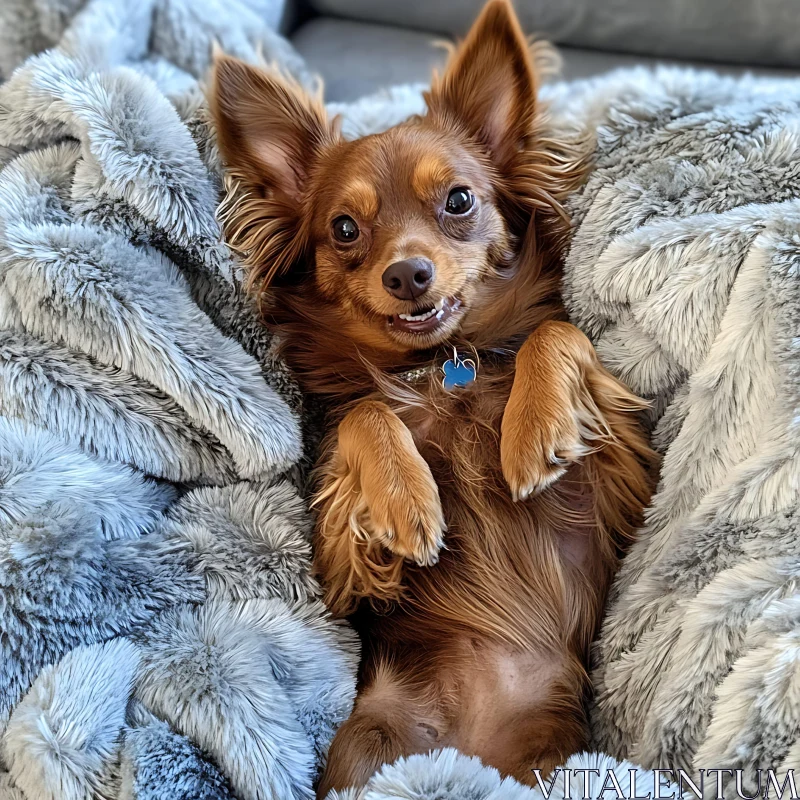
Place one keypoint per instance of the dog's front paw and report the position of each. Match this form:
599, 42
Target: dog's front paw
404, 511
535, 452
550, 419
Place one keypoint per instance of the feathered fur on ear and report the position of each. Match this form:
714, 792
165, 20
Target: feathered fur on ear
489, 86
489, 91
270, 133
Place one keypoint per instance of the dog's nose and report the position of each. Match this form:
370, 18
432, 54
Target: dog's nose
408, 279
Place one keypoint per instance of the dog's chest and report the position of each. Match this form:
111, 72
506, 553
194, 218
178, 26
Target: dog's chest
457, 430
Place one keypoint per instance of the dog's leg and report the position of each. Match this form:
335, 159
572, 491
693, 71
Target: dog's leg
391, 719
563, 405
378, 505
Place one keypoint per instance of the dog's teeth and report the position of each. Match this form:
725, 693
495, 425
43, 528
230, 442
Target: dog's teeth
418, 317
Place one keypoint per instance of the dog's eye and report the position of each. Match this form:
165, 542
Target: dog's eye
459, 201
345, 229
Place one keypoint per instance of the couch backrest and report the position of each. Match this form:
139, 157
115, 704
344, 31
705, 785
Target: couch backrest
764, 32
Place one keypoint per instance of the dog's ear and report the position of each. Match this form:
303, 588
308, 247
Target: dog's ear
488, 88
269, 129
270, 133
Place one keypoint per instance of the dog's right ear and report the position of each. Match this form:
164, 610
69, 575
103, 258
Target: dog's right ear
269, 129
270, 133
489, 85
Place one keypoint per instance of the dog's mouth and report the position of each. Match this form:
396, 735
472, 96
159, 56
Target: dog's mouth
427, 319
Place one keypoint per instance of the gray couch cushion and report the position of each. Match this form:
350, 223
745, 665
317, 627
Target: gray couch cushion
763, 32
357, 58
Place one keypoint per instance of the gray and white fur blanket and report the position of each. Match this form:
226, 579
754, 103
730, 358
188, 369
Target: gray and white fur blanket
161, 637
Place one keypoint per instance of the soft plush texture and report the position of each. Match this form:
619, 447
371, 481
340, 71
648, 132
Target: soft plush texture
162, 636
449, 775
685, 270
162, 633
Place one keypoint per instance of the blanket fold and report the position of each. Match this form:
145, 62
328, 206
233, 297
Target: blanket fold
162, 634
685, 268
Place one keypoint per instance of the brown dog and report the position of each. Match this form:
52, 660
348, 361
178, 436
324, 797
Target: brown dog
473, 529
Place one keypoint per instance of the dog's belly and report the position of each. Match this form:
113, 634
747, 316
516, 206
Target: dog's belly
490, 643
530, 574
527, 574
486, 650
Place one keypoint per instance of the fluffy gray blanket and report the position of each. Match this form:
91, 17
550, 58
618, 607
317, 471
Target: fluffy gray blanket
160, 635
685, 269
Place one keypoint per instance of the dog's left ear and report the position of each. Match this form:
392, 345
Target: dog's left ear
488, 88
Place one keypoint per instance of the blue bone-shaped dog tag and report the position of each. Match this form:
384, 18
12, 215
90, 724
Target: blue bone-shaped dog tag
458, 372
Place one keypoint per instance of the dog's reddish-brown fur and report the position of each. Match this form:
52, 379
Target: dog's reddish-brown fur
472, 533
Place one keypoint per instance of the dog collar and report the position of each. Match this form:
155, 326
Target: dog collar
457, 372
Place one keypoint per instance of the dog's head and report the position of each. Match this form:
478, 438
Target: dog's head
408, 233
